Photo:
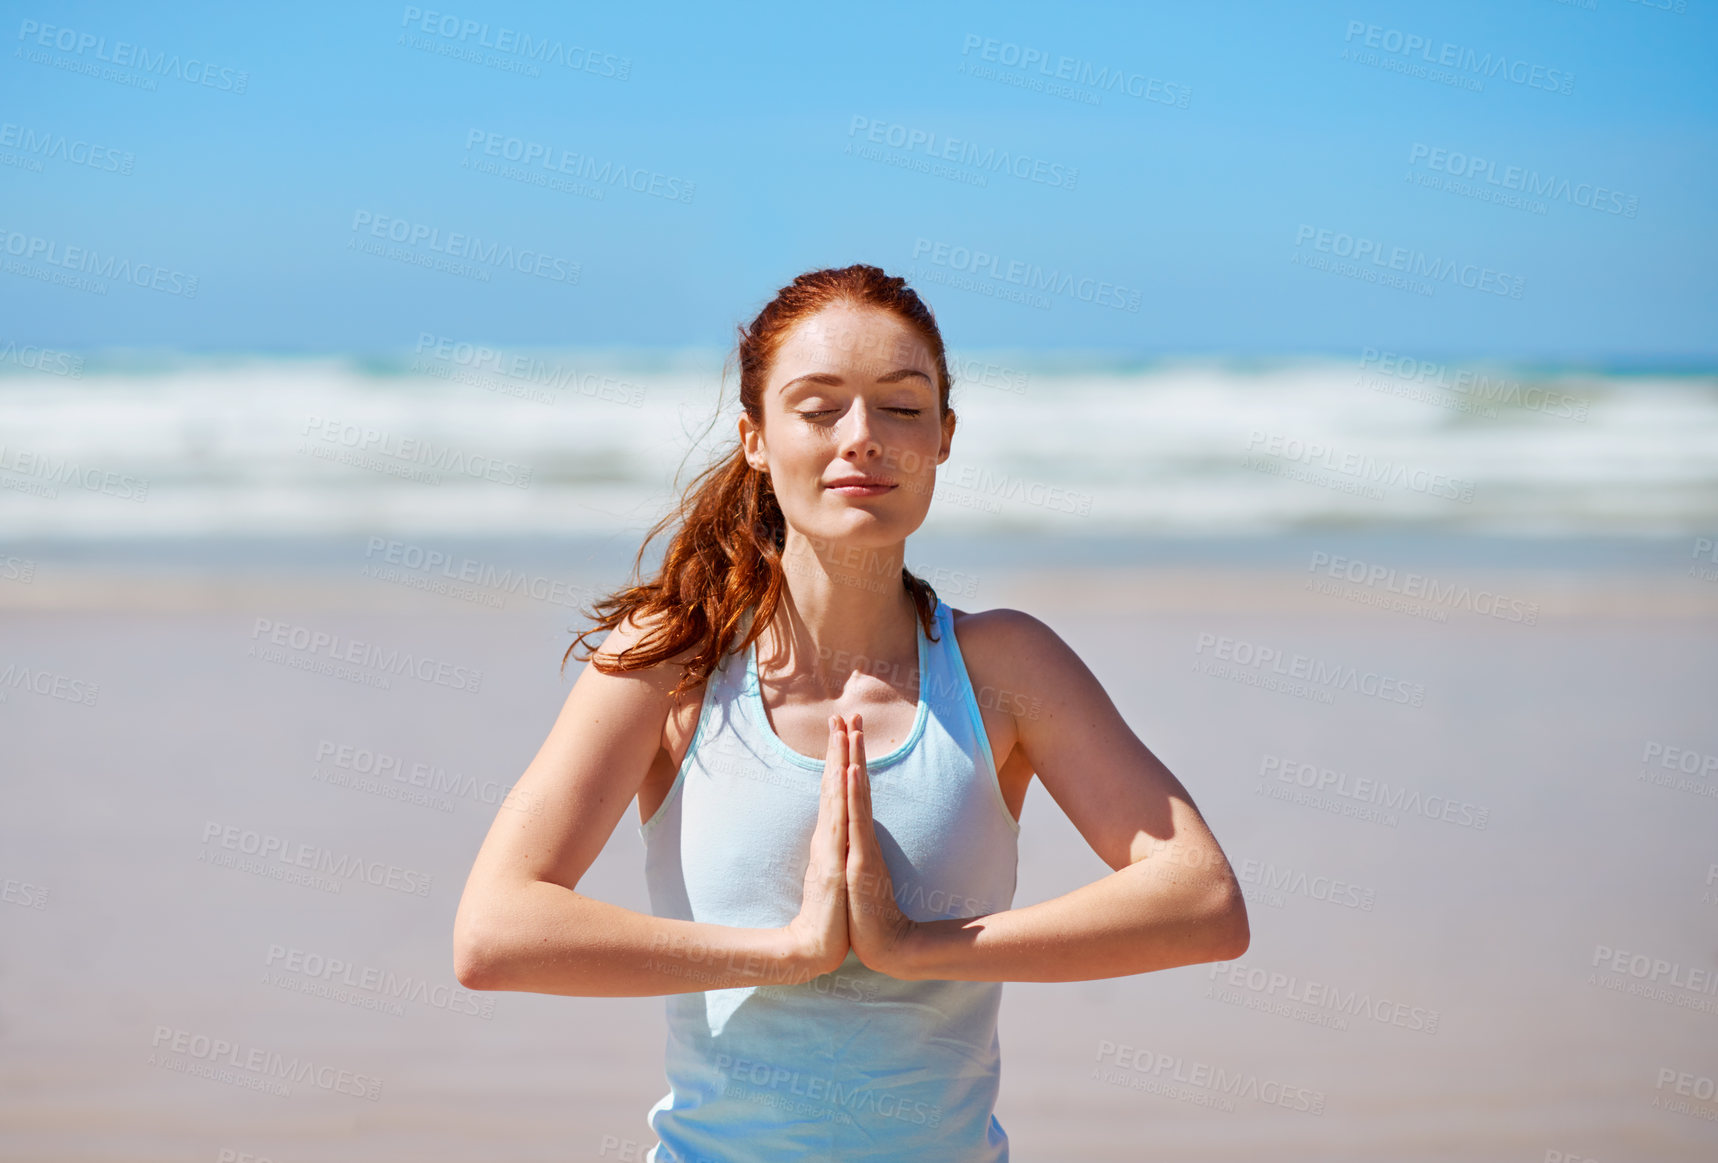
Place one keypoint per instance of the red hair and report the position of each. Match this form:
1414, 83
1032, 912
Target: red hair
724, 558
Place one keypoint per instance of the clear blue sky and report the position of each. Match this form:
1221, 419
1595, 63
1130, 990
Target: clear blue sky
1192, 212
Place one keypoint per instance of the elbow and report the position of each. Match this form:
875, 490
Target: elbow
477, 960
473, 966
472, 969
1230, 930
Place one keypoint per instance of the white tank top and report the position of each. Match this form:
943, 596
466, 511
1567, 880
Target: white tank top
854, 1064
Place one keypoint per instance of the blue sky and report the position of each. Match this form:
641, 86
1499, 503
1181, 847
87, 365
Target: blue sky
1280, 179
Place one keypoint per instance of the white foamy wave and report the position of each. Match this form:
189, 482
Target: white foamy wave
561, 442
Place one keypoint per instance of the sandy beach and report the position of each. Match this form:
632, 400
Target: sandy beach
1482, 874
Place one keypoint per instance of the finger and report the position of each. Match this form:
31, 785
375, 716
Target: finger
855, 818
832, 754
842, 808
862, 839
837, 770
838, 784
858, 839
825, 789
856, 758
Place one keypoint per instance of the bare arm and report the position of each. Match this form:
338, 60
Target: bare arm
523, 925
1173, 899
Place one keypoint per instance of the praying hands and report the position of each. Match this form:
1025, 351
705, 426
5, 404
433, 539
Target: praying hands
849, 900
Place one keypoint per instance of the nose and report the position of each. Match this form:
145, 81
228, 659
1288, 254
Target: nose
857, 441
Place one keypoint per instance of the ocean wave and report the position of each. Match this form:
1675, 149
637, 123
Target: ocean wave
461, 438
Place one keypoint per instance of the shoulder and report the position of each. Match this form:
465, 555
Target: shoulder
672, 719
1013, 631
1010, 650
638, 631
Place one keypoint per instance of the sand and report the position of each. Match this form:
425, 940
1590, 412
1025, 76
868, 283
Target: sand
1419, 987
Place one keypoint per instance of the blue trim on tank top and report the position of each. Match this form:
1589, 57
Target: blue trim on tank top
752, 695
945, 622
968, 696
686, 760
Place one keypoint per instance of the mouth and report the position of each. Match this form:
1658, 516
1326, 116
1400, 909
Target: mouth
861, 487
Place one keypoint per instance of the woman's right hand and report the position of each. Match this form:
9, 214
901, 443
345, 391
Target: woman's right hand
818, 935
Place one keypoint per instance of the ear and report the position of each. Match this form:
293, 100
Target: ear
949, 419
751, 443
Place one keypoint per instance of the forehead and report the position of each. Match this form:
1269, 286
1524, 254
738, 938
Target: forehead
855, 340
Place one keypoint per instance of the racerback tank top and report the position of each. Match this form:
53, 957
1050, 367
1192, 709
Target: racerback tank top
853, 1064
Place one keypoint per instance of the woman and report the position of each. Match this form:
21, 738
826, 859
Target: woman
832, 946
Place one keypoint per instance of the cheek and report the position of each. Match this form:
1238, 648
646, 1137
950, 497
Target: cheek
915, 454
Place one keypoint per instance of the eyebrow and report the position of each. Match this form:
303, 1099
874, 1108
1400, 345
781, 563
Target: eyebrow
830, 379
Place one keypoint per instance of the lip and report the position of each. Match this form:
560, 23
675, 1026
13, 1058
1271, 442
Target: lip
861, 487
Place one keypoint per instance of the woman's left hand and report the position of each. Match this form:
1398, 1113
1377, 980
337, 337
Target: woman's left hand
878, 930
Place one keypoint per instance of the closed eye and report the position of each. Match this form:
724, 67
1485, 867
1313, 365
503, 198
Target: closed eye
833, 411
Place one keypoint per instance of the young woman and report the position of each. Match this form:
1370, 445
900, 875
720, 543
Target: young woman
829, 806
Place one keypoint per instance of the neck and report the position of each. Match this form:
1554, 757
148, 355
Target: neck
845, 611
